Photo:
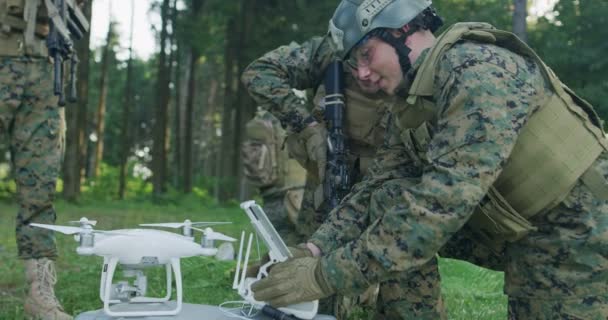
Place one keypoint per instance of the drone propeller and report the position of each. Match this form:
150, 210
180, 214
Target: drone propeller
62, 229
213, 235
73, 230
176, 225
84, 221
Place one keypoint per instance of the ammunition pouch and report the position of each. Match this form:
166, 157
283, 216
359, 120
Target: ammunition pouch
19, 37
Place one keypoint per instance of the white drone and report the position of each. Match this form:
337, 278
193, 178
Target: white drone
136, 249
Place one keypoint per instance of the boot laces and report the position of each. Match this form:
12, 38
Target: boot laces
47, 281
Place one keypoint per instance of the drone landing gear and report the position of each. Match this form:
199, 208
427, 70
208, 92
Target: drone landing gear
106, 289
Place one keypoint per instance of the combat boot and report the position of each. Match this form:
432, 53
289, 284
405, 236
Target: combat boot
41, 303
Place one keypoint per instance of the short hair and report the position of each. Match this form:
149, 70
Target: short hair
428, 19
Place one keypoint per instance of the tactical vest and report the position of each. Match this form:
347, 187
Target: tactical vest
365, 122
555, 148
23, 28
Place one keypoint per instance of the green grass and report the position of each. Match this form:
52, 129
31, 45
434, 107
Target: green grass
470, 292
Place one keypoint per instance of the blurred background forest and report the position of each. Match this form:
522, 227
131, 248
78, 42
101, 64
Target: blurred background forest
171, 124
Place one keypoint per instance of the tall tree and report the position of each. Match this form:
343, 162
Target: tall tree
189, 114
159, 150
106, 56
520, 13
75, 149
572, 41
126, 117
244, 105
221, 192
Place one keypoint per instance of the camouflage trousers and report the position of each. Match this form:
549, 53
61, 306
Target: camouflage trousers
586, 308
34, 126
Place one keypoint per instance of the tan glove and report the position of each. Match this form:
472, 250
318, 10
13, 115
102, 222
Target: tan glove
293, 281
309, 148
297, 252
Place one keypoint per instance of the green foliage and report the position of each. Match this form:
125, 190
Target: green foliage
496, 12
574, 45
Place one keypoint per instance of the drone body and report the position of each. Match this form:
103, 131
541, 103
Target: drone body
136, 249
146, 246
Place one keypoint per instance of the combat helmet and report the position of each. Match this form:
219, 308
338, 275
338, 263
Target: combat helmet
355, 20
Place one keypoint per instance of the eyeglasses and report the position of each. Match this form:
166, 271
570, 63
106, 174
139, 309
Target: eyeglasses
360, 56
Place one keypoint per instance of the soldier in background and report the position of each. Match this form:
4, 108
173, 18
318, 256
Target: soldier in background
34, 124
279, 179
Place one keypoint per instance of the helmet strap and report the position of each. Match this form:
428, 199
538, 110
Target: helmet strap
397, 41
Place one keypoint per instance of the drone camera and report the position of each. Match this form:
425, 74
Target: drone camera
123, 292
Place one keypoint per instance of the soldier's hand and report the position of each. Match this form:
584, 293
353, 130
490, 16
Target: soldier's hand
297, 252
293, 281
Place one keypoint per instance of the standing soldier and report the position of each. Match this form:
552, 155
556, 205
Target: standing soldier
34, 123
494, 143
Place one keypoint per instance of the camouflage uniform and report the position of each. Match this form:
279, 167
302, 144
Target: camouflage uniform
483, 95
270, 80
34, 124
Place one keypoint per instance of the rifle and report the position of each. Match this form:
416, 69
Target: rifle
337, 180
67, 22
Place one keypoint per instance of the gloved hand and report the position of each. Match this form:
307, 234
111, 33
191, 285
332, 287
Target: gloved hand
309, 148
293, 281
297, 252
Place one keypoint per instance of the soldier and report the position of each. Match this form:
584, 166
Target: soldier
270, 80
490, 144
280, 180
32, 120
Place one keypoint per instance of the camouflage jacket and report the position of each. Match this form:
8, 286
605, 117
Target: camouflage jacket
271, 78
483, 96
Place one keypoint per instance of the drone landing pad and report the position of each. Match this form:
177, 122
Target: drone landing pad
189, 312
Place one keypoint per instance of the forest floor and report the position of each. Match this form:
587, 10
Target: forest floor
469, 292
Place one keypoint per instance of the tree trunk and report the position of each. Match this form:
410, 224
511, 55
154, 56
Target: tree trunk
126, 116
76, 120
211, 155
226, 175
519, 19
159, 153
188, 121
188, 134
101, 105
244, 107
177, 135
